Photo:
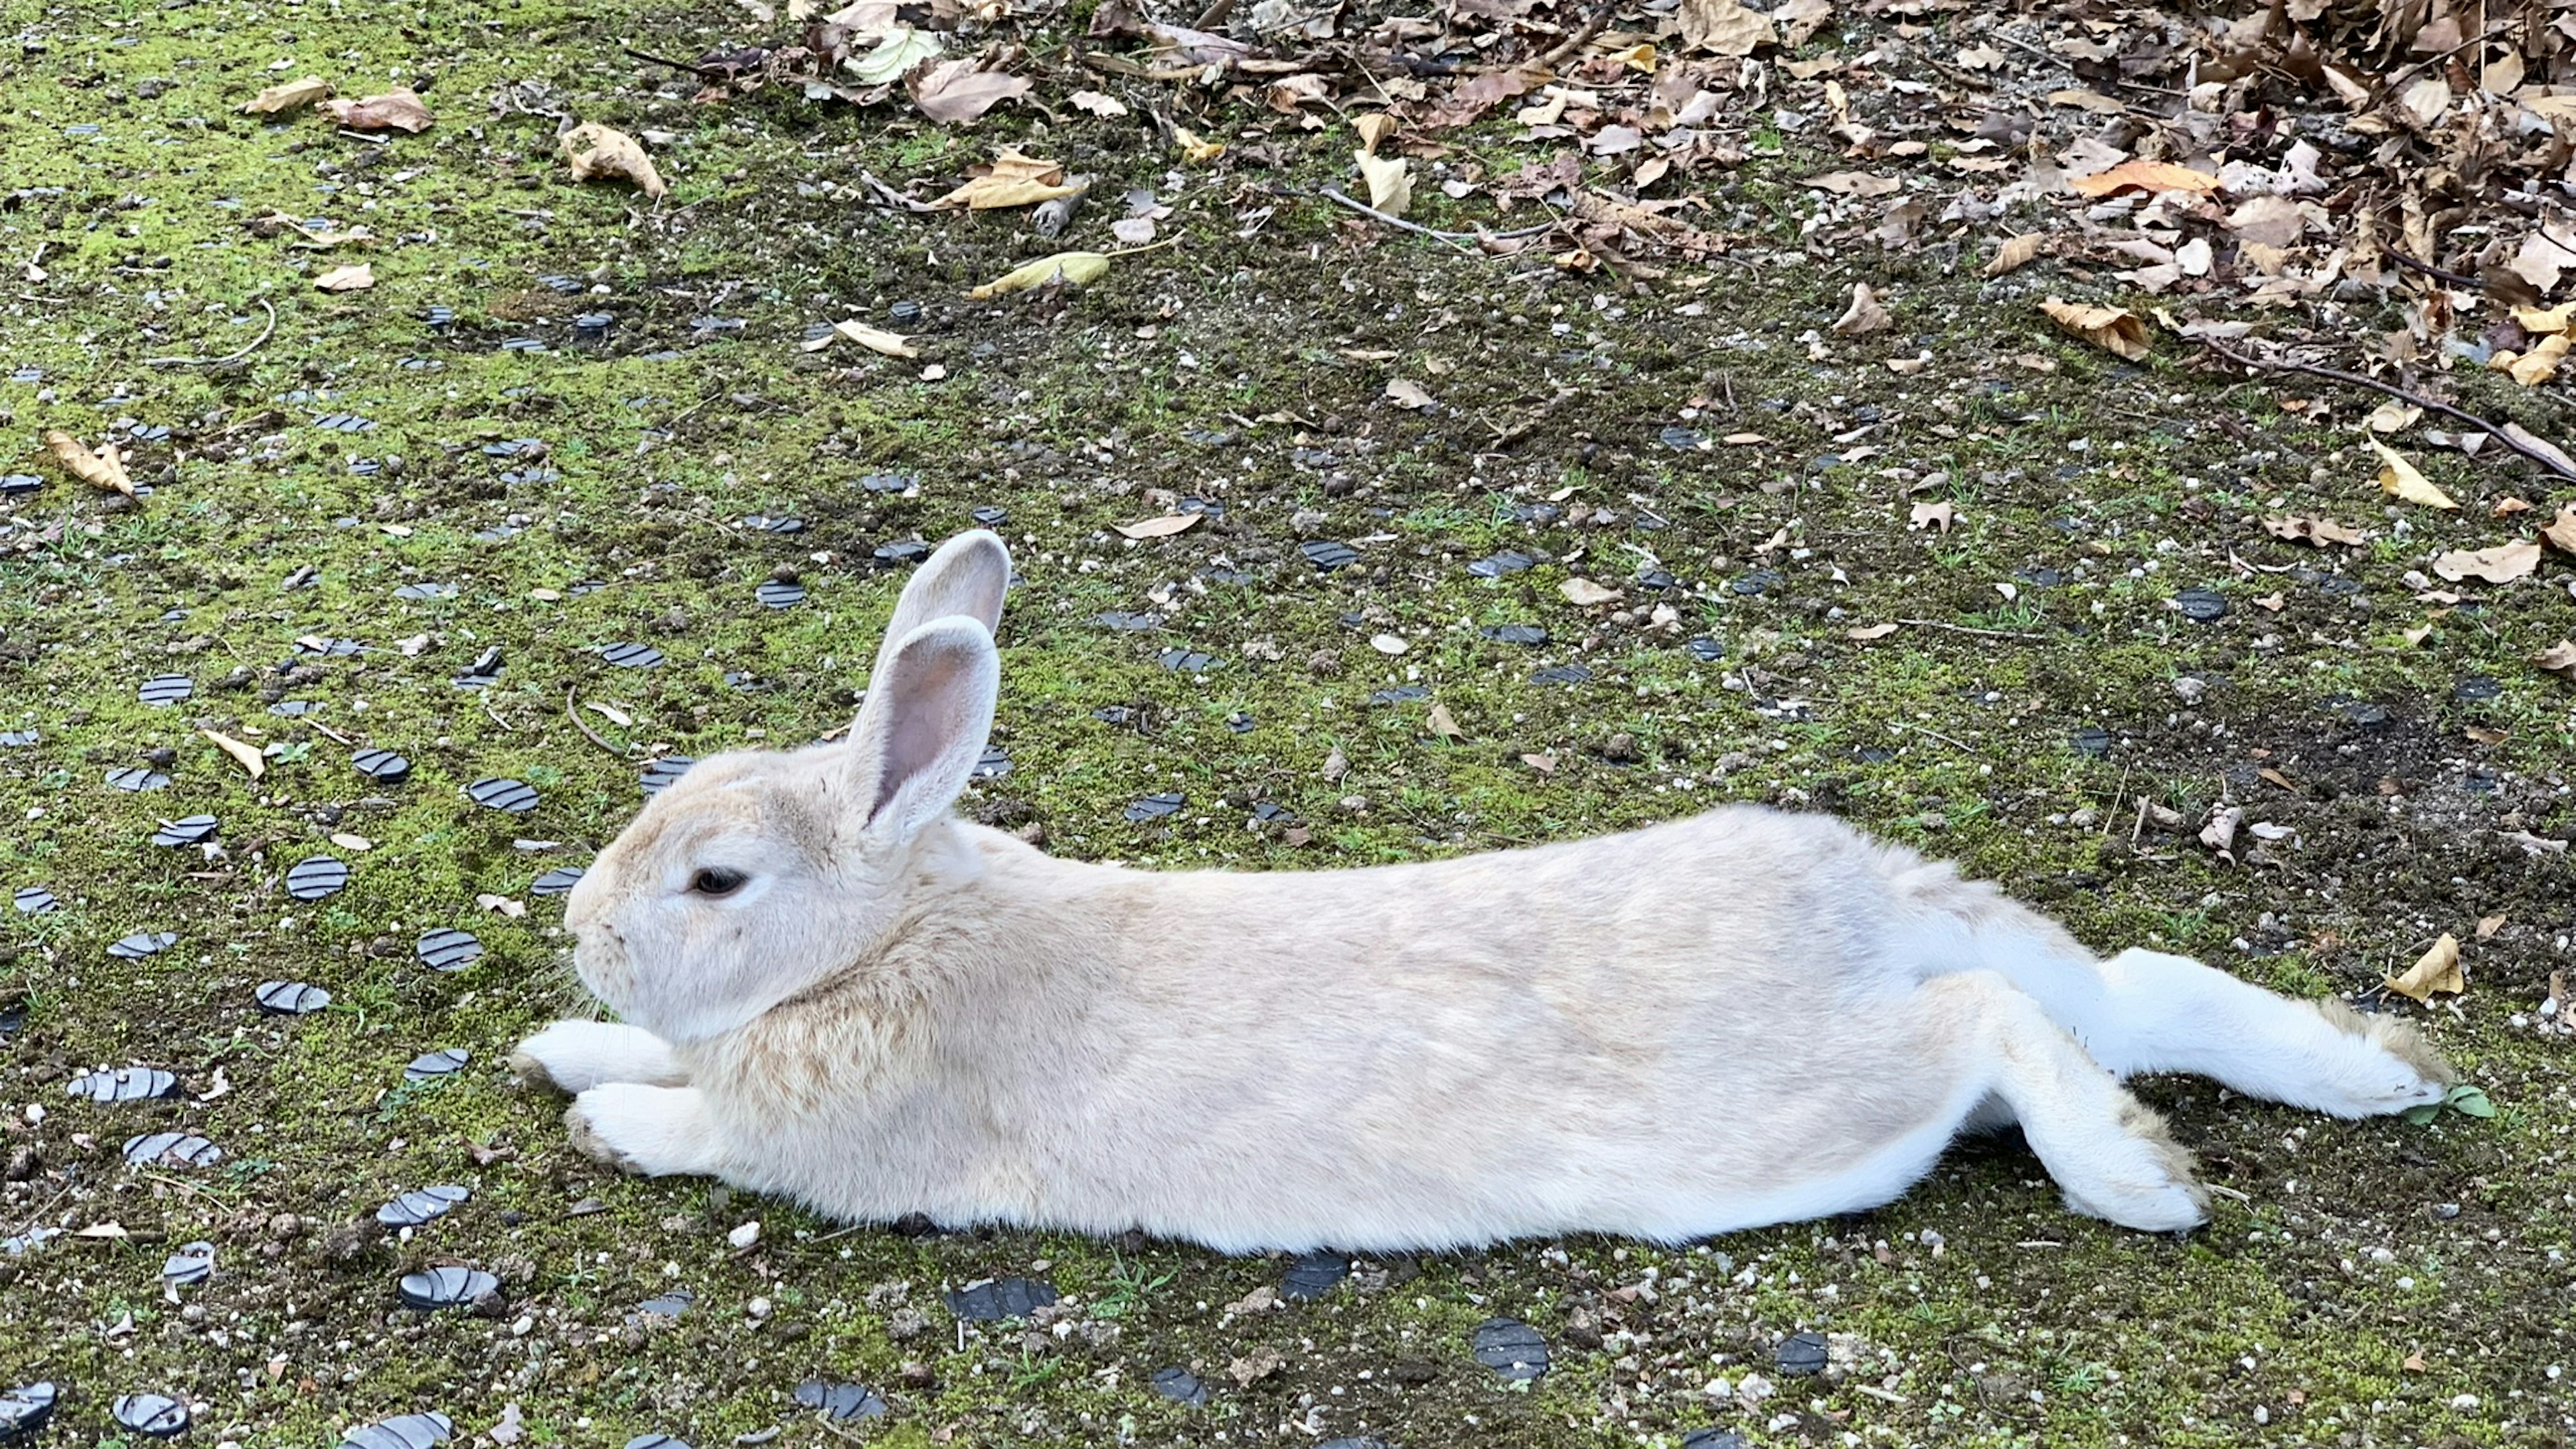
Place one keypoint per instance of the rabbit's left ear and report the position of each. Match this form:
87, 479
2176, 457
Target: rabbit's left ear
928, 710
965, 578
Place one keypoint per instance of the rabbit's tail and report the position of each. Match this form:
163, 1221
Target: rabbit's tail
2144, 1011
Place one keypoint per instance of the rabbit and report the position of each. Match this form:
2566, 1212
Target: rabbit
830, 988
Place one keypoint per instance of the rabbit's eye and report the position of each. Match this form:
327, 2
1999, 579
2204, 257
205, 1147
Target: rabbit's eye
714, 882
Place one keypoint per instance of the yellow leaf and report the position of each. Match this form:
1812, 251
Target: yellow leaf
2014, 254
1014, 180
104, 469
291, 95
2539, 323
2146, 176
876, 339
2400, 480
2501, 564
2439, 970
2115, 330
1196, 151
1867, 632
596, 151
1163, 527
1374, 128
1390, 181
247, 756
2540, 364
1073, 268
346, 279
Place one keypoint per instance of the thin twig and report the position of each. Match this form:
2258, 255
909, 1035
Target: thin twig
1453, 238
2412, 265
1936, 734
221, 361
1967, 629
692, 67
587, 732
1572, 44
2274, 364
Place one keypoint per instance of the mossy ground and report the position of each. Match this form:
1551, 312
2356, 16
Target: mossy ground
2370, 1283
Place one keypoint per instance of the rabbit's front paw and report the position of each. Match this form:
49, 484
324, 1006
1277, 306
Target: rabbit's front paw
575, 1056
2143, 1179
650, 1131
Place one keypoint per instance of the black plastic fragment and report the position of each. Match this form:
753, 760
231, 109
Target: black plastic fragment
291, 998
2091, 741
1000, 1298
1328, 554
1155, 807
1313, 1276
317, 877
1180, 1386
668, 1305
1494, 566
556, 882
1561, 674
382, 766
661, 773
1800, 1355
138, 780
498, 793
186, 830
448, 1287
422, 1205
841, 1400
155, 1416
631, 656
2201, 606
993, 764
1510, 1348
1516, 633
1706, 651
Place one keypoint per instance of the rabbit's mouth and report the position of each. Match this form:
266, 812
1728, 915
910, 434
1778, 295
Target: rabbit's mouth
600, 959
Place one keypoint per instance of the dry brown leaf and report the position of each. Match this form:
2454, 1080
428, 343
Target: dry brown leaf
2318, 531
245, 755
1544, 763
2437, 970
2392, 416
2558, 658
2488, 926
396, 110
1867, 632
2537, 366
292, 95
1374, 128
1931, 515
1163, 527
1072, 268
1404, 392
1445, 725
877, 339
2144, 175
2014, 253
1724, 27
1390, 181
598, 151
1584, 593
356, 278
106, 469
1014, 180
1853, 183
1864, 315
2399, 479
2561, 531
2115, 330
2501, 564
954, 92
1107, 107
2540, 322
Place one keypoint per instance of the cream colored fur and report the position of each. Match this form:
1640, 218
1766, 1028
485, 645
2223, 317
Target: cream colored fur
1739, 1018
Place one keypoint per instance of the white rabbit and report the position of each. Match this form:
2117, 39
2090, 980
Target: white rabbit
838, 992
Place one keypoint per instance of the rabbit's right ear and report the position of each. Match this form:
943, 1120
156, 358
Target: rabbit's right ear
966, 577
922, 728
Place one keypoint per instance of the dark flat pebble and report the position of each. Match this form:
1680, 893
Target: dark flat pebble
193, 1263
1180, 1386
1122, 620
1155, 807
1800, 1355
429, 1066
1760, 581
403, 1431
2091, 741
382, 766
1510, 1348
1561, 674
447, 1287
1715, 1439
186, 830
448, 949
155, 1416
556, 882
1328, 554
1400, 694
498, 793
661, 774
34, 901
1000, 1298
24, 1410
1516, 633
422, 1205
668, 1305
1313, 1276
425, 590
840, 1399
989, 516
631, 656
1706, 651
166, 689
291, 998
776, 594
124, 1084
2201, 606
135, 779
317, 878
171, 1149
994, 763
1495, 566
1186, 661
142, 944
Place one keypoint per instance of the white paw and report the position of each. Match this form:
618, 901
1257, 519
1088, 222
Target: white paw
2374, 1084
575, 1056
2142, 1181
651, 1131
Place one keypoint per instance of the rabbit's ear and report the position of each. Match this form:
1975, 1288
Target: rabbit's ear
929, 707
966, 577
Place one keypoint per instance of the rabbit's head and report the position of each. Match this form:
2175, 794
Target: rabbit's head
757, 875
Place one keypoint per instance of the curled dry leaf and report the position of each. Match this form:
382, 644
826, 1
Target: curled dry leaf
292, 95
877, 339
2143, 176
2537, 366
1584, 593
396, 110
2115, 330
2400, 479
1725, 27
596, 151
2437, 970
1074, 269
2318, 531
1196, 149
1374, 128
2014, 253
2501, 564
104, 469
1864, 315
1444, 724
1867, 632
1931, 515
2558, 659
245, 755
1106, 107
2561, 531
954, 92
1406, 393
1163, 527
2392, 416
900, 49
356, 278
1390, 181
1013, 180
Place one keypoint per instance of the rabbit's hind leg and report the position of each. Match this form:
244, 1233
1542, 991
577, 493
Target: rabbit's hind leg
575, 1056
2109, 1154
2175, 1014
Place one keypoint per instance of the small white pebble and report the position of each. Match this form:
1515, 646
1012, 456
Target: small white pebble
745, 1235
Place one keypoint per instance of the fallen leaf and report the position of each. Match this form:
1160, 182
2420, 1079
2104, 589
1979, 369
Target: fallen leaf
2414, 1362
356, 278
2400, 480
1443, 725
1072, 268
2143, 175
2539, 365
2318, 531
2558, 658
903, 47
2220, 833
1253, 1367
598, 151
106, 469
1545, 764
111, 1230
1864, 315
1853, 183
610, 713
1163, 527
1404, 393
245, 755
396, 110
1014, 180
2113, 329
1867, 632
2486, 736
2501, 564
292, 95
1725, 27
1390, 181
2488, 926
2561, 531
2438, 970
1931, 515
954, 92
1373, 128
1584, 593
1195, 149
2014, 253
2392, 416
346, 841
877, 339
1107, 107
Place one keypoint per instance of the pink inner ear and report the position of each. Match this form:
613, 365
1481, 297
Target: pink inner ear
922, 707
